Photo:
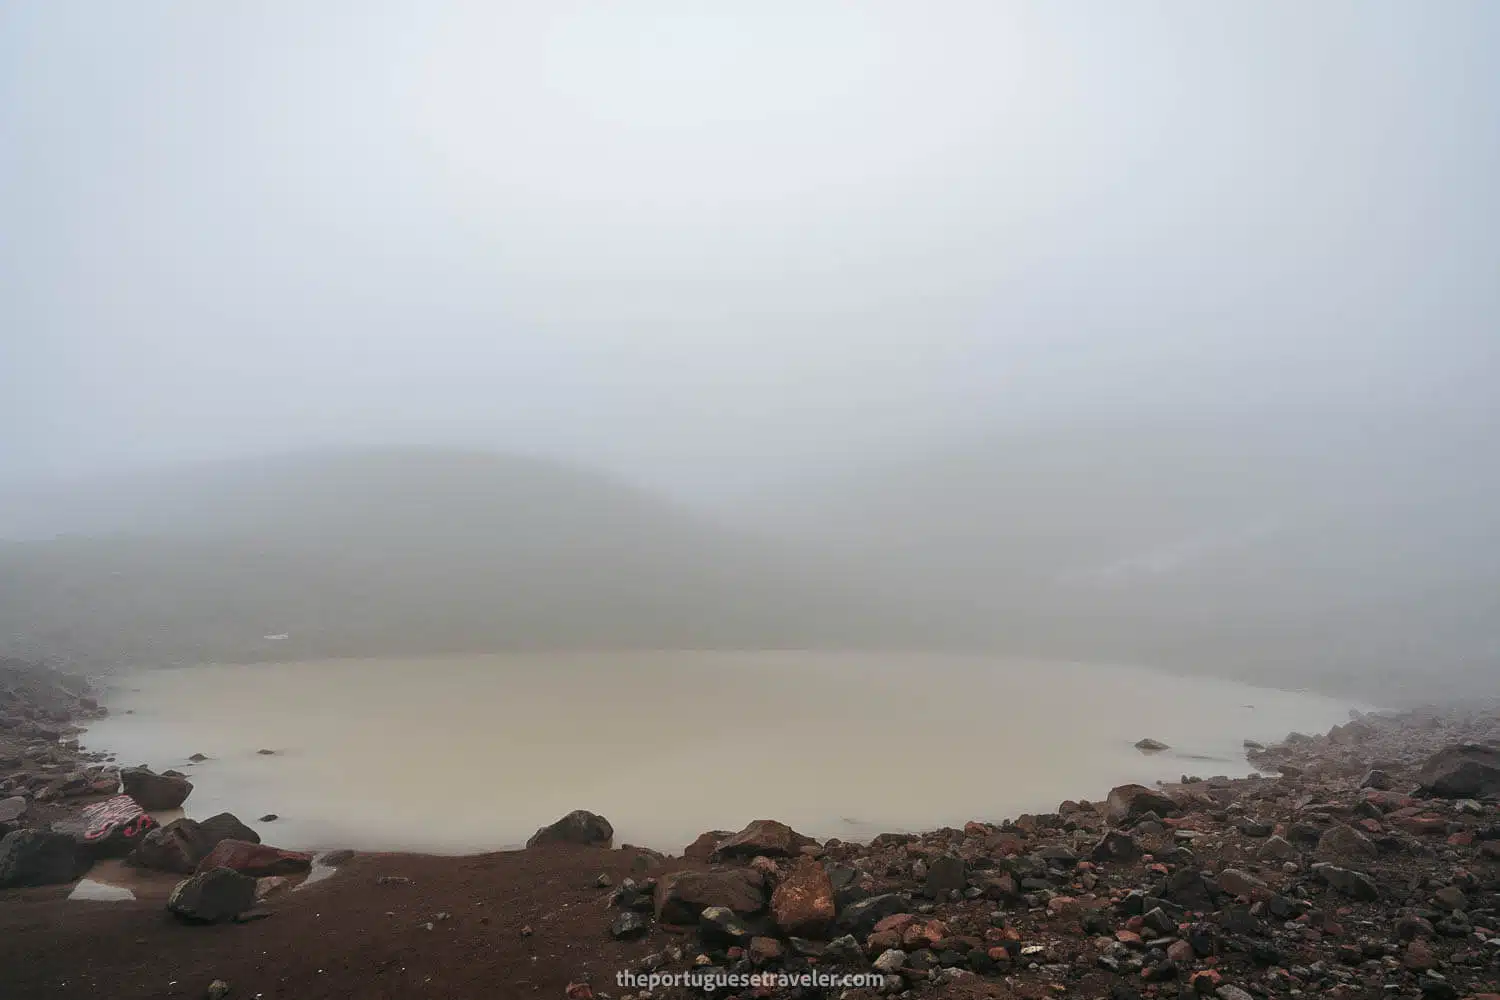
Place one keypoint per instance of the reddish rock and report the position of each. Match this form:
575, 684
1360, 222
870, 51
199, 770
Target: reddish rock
1423, 826
896, 923
254, 859
1180, 952
923, 933
764, 836
1418, 956
764, 950
703, 848
1238, 883
1059, 905
1005, 844
803, 903
1206, 981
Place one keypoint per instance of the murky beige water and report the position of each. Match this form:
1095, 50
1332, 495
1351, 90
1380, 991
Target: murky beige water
474, 753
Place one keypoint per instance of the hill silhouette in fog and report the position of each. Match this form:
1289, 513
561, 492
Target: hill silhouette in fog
1356, 554
1352, 557
412, 551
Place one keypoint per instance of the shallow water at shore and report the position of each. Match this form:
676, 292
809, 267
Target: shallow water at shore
461, 754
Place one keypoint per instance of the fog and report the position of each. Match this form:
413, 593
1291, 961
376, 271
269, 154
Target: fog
1153, 332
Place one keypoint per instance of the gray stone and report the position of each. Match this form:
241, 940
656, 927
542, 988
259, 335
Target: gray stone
844, 950
1239, 883
1345, 842
627, 925
1277, 849
12, 809
719, 925
1351, 883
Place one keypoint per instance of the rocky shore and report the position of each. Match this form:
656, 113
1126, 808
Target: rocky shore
1362, 862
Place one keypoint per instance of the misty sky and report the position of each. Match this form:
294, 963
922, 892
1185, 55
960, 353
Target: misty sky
703, 242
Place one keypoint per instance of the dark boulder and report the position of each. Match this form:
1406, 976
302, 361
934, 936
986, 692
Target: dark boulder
859, 918
1116, 845
212, 896
226, 826
946, 873
182, 844
1189, 889
1351, 883
37, 857
578, 827
628, 925
153, 791
721, 926
682, 896
176, 847
1465, 771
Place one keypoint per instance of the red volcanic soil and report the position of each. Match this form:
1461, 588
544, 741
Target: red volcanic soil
456, 929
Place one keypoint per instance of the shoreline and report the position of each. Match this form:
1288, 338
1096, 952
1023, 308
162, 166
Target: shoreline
1339, 870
